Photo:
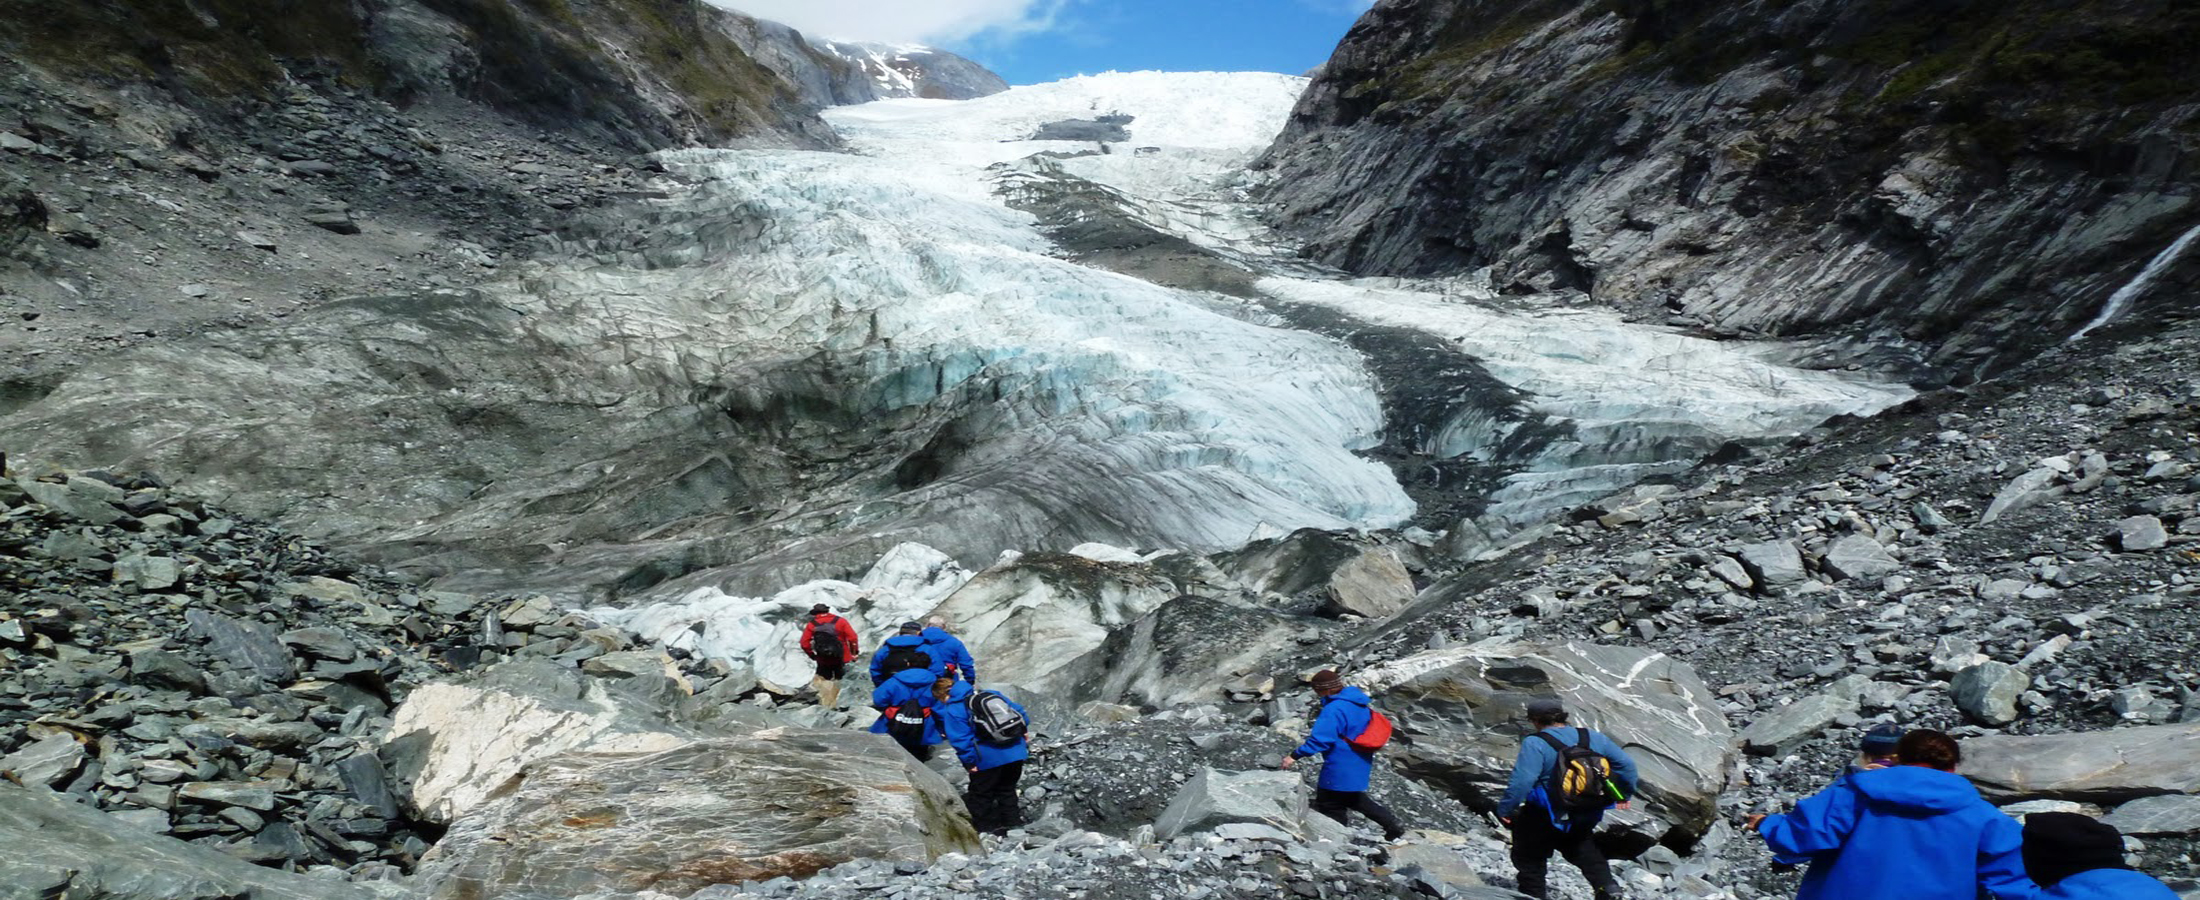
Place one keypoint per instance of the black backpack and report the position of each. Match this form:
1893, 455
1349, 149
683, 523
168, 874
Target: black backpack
825, 641
905, 723
997, 723
1582, 779
900, 659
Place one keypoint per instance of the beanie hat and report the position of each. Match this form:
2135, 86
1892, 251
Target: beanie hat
2058, 845
1881, 739
1327, 681
911, 628
820, 609
1545, 708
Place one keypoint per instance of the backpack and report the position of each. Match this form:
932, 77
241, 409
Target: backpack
906, 723
825, 641
997, 723
899, 659
1582, 779
1374, 736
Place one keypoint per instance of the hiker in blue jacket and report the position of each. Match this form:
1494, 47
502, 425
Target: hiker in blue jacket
911, 639
949, 650
1539, 827
889, 698
1874, 752
2077, 857
1342, 786
1915, 830
994, 771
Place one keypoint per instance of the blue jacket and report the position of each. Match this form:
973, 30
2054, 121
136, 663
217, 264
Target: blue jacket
1344, 767
1906, 831
1797, 859
878, 659
905, 684
951, 721
948, 650
1532, 770
2108, 884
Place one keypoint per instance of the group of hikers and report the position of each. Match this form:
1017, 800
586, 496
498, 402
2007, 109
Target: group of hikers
926, 694
1898, 823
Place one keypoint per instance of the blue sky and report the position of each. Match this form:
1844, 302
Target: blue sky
1030, 41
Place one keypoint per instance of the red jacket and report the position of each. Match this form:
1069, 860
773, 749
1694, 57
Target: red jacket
847, 634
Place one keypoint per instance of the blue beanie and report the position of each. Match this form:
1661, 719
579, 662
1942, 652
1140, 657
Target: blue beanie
1882, 738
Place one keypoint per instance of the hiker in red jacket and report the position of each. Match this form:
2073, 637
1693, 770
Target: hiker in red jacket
831, 641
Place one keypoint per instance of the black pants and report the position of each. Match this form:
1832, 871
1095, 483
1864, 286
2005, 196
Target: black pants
922, 751
994, 806
1335, 804
1535, 839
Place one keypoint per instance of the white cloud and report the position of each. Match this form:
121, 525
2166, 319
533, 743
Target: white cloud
905, 21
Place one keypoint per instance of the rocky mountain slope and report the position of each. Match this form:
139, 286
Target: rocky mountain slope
1956, 185
170, 170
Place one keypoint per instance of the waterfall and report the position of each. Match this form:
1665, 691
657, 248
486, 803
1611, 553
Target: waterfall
2117, 302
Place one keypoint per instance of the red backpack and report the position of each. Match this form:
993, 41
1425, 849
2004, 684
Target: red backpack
1374, 736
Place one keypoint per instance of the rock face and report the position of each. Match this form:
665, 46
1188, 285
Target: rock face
1185, 651
455, 744
2120, 764
1028, 620
1212, 798
644, 74
1774, 166
1462, 710
783, 802
59, 848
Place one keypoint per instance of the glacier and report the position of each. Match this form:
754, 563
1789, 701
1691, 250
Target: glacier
783, 365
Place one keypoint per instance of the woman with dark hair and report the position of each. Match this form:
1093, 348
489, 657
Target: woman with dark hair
1915, 830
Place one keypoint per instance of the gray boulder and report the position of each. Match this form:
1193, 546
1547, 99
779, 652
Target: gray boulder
57, 848
1213, 798
1373, 585
1779, 731
1028, 620
1460, 709
1181, 653
2177, 814
1989, 690
2140, 533
1857, 556
2103, 766
1774, 563
782, 802
49, 762
2024, 492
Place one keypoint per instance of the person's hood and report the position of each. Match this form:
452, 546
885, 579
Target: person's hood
905, 640
1350, 694
935, 635
1916, 789
960, 692
915, 677
822, 618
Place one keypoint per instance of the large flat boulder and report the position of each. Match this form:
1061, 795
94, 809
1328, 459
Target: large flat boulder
1215, 798
1462, 711
780, 802
58, 848
1185, 652
2100, 766
453, 744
